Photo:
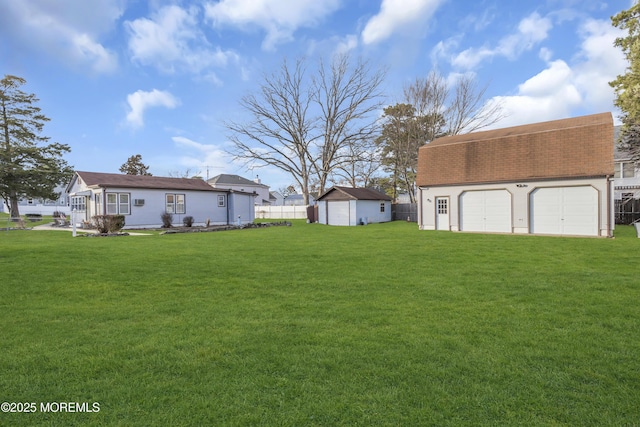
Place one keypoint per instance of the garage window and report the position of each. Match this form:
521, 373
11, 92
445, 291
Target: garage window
382, 207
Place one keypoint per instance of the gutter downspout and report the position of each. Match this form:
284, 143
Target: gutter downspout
420, 213
609, 206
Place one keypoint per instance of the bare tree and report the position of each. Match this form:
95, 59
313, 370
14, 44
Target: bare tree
280, 131
306, 127
348, 96
468, 110
361, 163
462, 105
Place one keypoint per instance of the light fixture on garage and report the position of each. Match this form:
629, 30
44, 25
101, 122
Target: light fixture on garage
521, 185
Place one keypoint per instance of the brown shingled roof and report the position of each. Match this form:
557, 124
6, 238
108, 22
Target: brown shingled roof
98, 179
349, 193
568, 148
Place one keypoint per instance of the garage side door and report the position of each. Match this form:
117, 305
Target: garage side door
565, 210
338, 212
488, 210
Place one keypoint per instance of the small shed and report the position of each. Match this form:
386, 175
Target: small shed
353, 206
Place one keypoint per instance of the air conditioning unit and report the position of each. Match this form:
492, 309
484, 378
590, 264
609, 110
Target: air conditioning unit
138, 202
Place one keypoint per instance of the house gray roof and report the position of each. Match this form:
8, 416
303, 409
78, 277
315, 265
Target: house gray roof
227, 179
348, 193
99, 179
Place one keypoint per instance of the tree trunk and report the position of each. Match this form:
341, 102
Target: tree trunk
14, 211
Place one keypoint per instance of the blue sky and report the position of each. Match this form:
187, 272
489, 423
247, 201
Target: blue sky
158, 78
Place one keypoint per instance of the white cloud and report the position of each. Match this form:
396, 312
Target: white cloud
140, 100
395, 16
171, 39
531, 31
70, 33
203, 157
599, 63
563, 90
280, 19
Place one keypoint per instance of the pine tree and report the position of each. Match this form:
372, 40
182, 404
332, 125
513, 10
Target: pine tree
134, 166
29, 167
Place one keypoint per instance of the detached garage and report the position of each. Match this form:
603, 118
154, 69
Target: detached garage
353, 206
544, 178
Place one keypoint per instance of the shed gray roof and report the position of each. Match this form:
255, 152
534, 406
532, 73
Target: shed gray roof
348, 193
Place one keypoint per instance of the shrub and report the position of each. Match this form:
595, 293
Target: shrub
187, 221
108, 223
117, 222
167, 220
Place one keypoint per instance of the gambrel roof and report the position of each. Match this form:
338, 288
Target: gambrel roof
559, 149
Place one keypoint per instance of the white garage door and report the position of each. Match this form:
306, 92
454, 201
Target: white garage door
565, 210
488, 210
338, 212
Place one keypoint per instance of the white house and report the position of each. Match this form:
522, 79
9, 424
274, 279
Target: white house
238, 183
544, 178
143, 199
353, 206
626, 187
41, 206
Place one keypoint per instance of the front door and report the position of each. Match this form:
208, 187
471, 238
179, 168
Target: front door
442, 213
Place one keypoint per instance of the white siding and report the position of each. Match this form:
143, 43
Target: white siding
370, 209
600, 201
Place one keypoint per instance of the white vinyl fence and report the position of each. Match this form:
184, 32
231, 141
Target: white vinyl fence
281, 212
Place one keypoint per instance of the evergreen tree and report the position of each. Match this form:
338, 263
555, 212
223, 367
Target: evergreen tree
627, 85
134, 166
29, 167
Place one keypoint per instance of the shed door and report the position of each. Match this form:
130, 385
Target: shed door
338, 212
488, 210
565, 210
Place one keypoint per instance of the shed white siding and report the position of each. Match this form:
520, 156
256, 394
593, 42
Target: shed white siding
353, 212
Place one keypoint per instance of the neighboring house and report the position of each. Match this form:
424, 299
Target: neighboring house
238, 183
626, 187
298, 200
143, 199
41, 206
275, 198
544, 178
353, 206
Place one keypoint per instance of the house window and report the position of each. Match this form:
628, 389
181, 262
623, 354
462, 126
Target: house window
123, 204
382, 207
78, 203
624, 170
221, 201
442, 206
30, 201
118, 204
175, 203
99, 204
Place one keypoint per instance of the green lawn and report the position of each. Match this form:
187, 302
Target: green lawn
313, 325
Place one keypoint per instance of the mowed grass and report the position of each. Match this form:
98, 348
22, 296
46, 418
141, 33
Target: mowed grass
312, 325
